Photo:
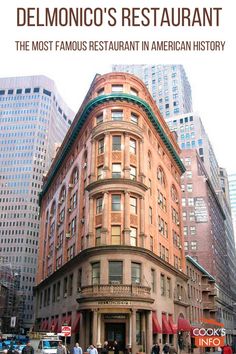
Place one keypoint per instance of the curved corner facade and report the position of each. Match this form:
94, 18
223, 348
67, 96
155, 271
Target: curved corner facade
111, 259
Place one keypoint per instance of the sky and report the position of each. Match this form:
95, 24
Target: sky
211, 74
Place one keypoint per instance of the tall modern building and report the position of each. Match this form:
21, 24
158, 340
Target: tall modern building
168, 85
111, 256
33, 121
206, 235
232, 193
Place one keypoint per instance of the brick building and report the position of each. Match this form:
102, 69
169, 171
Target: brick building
111, 256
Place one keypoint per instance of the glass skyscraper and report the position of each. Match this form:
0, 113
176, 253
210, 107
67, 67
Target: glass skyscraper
33, 122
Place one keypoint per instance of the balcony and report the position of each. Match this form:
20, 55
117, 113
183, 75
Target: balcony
208, 305
117, 291
206, 288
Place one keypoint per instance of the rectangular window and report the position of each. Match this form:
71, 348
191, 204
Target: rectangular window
70, 285
192, 230
134, 118
189, 187
183, 201
133, 91
193, 245
153, 280
191, 216
79, 280
185, 230
115, 235
54, 293
189, 174
132, 146
115, 272
150, 215
168, 287
116, 202
65, 287
133, 236
186, 245
190, 201
117, 88
162, 284
133, 173
99, 172
133, 205
135, 273
184, 215
96, 273
116, 143
99, 205
98, 236
151, 243
100, 146
101, 91
117, 115
116, 170
99, 119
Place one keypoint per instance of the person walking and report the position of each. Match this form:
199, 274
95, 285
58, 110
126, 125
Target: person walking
28, 349
77, 349
93, 349
155, 349
61, 349
166, 348
105, 348
116, 347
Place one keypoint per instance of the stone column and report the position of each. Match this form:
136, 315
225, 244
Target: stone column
105, 218
91, 242
148, 331
93, 161
87, 328
106, 167
82, 330
127, 219
95, 327
126, 157
133, 343
130, 331
141, 241
99, 344
141, 162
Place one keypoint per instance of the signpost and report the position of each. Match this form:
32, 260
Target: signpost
66, 332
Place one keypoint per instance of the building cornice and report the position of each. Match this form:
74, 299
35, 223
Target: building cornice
85, 113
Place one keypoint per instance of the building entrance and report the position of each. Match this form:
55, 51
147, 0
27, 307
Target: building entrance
115, 331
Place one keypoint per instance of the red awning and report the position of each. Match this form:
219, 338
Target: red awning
166, 329
156, 328
75, 327
42, 325
184, 325
45, 325
55, 330
173, 326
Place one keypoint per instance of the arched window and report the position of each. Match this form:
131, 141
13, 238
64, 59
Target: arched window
53, 209
161, 176
75, 176
174, 194
62, 195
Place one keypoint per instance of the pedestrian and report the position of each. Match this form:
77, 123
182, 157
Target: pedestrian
155, 349
93, 349
227, 349
77, 349
61, 349
28, 349
172, 349
166, 348
116, 347
105, 348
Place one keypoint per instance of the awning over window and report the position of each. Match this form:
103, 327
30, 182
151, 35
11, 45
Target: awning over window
54, 325
42, 325
75, 327
156, 328
184, 325
173, 326
68, 320
166, 329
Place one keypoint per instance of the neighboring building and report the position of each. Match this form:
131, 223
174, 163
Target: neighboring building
204, 231
232, 192
33, 118
168, 85
191, 134
3, 306
202, 294
111, 257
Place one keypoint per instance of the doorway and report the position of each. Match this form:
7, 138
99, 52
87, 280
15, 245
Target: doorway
115, 331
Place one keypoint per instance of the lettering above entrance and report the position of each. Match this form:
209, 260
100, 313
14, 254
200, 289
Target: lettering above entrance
110, 302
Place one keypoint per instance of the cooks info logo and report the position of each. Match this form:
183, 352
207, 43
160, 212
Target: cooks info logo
211, 335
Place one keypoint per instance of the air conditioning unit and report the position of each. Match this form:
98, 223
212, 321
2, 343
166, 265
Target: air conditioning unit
67, 234
85, 165
57, 247
82, 220
160, 228
180, 297
176, 201
159, 201
59, 202
180, 269
48, 256
58, 224
177, 223
180, 247
51, 215
69, 210
70, 185
62, 200
197, 300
